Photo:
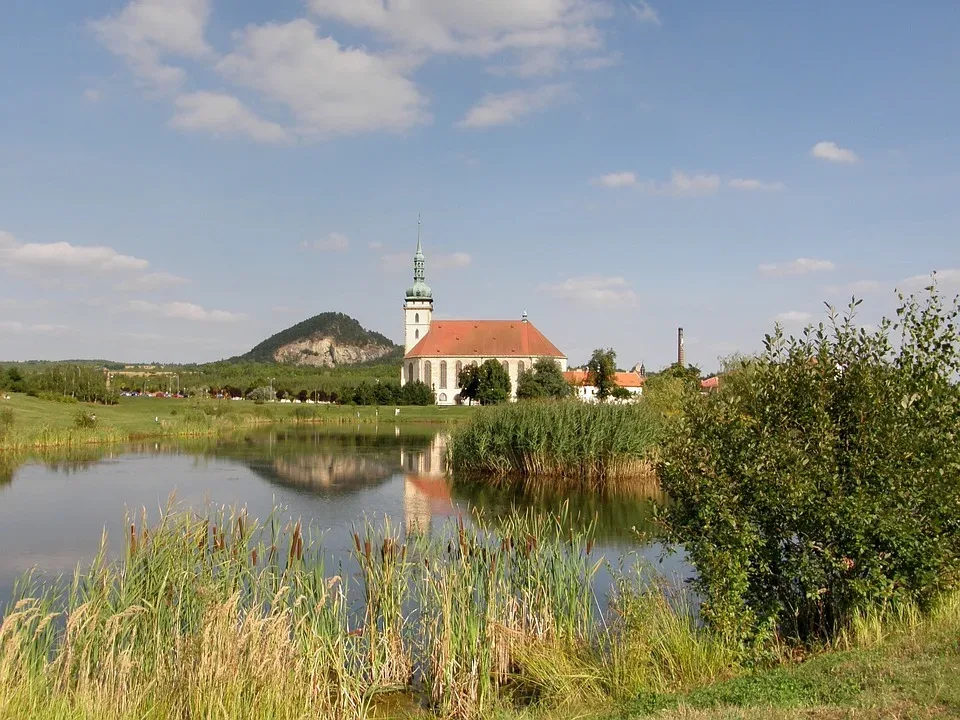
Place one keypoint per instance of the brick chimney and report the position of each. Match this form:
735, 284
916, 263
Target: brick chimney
681, 356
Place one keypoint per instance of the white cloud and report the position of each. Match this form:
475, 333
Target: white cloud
183, 311
453, 260
469, 27
63, 256
15, 326
532, 64
832, 152
616, 179
644, 12
92, 95
509, 107
329, 89
793, 317
752, 184
593, 290
151, 281
221, 113
680, 183
146, 31
334, 242
375, 245
946, 278
800, 266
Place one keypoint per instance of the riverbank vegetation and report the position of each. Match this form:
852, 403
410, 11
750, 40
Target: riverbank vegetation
30, 423
595, 445
219, 616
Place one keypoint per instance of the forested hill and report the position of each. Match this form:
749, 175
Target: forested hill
326, 340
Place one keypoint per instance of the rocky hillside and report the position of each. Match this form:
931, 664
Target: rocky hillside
326, 340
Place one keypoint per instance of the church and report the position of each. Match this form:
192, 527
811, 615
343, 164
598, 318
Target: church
437, 350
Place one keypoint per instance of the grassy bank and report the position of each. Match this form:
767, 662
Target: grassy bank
40, 423
217, 617
596, 445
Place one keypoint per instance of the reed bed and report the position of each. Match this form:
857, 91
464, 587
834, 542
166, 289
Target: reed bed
221, 616
595, 445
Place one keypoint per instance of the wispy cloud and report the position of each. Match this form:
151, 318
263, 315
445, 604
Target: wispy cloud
92, 95
644, 12
183, 311
593, 290
224, 114
15, 326
616, 179
151, 281
453, 260
800, 266
793, 317
40, 257
681, 183
375, 245
752, 184
403, 262
857, 287
946, 278
334, 242
511, 107
831, 152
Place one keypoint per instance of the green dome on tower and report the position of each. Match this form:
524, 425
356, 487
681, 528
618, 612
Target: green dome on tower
419, 290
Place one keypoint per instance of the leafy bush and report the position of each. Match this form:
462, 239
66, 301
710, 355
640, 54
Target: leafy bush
85, 420
543, 380
417, 393
261, 394
58, 397
826, 481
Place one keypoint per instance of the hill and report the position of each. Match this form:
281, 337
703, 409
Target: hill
326, 340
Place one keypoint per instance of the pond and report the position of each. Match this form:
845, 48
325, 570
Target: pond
55, 507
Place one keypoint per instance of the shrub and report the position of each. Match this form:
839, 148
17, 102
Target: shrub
58, 397
85, 420
417, 393
827, 480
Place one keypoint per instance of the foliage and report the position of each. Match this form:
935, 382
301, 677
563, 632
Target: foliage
85, 420
602, 372
543, 380
261, 394
621, 393
570, 441
81, 382
417, 393
12, 380
829, 482
488, 384
342, 328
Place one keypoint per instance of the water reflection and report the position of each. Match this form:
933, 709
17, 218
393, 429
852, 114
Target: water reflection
53, 506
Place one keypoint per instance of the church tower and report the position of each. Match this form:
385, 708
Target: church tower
418, 306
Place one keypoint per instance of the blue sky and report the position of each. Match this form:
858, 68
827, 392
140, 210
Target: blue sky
181, 178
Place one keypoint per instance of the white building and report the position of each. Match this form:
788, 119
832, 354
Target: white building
583, 390
437, 350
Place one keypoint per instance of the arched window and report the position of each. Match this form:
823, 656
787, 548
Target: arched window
456, 378
475, 363
442, 397
409, 372
428, 373
416, 318
416, 334
443, 374
506, 367
520, 367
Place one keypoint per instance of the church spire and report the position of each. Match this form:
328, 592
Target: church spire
420, 289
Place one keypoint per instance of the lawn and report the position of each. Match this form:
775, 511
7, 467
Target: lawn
145, 416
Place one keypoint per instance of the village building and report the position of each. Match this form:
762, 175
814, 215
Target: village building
436, 351
584, 390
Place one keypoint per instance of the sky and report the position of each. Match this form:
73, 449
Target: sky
181, 178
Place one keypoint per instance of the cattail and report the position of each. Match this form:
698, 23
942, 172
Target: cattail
356, 541
253, 556
133, 539
589, 545
366, 549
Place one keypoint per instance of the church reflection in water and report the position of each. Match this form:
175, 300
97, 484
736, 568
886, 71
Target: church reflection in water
426, 487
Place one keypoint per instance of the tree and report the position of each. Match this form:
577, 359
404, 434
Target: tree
602, 372
824, 483
386, 393
489, 384
543, 380
417, 393
621, 393
261, 394
363, 394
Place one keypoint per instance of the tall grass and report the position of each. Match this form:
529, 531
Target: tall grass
593, 444
220, 616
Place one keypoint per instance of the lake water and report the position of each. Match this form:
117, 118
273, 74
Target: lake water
54, 508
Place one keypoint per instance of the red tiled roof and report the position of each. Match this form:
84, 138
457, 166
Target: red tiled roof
710, 383
484, 338
624, 379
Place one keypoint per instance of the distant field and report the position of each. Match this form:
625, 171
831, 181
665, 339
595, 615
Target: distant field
146, 416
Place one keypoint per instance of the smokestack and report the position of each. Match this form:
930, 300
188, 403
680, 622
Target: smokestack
681, 357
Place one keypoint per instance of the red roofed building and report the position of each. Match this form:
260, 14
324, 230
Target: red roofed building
584, 390
437, 350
